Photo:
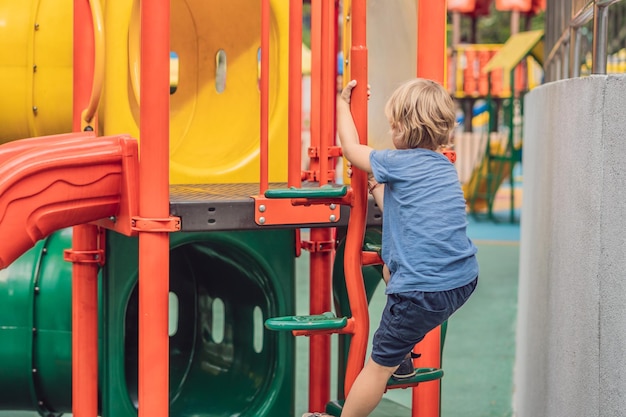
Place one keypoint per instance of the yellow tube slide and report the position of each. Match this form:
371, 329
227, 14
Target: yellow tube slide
215, 110
35, 68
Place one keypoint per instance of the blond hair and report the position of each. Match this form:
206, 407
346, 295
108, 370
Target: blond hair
421, 114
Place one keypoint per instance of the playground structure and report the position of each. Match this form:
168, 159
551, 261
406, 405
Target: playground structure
493, 77
182, 181
499, 76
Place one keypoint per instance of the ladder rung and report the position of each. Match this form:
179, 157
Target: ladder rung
421, 375
325, 191
325, 321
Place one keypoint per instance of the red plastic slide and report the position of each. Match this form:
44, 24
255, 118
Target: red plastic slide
52, 182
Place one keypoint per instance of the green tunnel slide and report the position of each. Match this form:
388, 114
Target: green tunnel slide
222, 360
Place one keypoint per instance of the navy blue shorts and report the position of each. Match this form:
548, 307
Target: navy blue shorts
408, 316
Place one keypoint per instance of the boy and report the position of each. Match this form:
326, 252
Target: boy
430, 263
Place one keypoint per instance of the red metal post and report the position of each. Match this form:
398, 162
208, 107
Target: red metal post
264, 87
431, 40
154, 203
84, 238
320, 301
431, 64
295, 94
320, 261
356, 223
84, 325
328, 86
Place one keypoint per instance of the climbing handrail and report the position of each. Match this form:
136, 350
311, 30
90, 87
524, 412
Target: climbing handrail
98, 71
358, 212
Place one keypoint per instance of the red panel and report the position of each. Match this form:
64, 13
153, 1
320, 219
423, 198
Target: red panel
516, 5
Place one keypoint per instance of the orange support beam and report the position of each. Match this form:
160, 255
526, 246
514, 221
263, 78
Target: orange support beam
295, 94
431, 40
84, 237
356, 223
154, 259
431, 64
85, 321
265, 95
322, 128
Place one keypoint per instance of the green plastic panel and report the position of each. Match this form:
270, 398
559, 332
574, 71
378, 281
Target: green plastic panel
223, 361
325, 321
325, 191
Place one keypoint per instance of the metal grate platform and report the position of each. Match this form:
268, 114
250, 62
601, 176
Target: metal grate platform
221, 207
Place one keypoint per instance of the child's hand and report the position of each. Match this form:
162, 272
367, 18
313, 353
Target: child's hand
346, 93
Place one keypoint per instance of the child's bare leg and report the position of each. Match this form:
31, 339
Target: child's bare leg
367, 390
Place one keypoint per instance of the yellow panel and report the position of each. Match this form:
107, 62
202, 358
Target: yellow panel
214, 137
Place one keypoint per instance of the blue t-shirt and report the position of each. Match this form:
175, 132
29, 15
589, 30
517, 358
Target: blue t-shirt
424, 244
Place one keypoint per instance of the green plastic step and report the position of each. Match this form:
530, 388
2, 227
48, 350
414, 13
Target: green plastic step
325, 191
324, 321
386, 408
372, 247
421, 375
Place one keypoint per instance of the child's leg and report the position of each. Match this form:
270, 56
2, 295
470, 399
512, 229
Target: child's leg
367, 390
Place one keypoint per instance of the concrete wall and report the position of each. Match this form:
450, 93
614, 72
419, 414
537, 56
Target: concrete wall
571, 332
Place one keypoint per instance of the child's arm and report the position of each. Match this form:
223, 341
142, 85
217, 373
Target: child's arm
353, 151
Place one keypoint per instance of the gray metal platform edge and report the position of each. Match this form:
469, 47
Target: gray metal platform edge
224, 207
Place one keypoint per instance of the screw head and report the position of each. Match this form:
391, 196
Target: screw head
262, 220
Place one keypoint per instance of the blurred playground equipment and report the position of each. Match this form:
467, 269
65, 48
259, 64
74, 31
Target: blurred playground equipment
167, 136
489, 143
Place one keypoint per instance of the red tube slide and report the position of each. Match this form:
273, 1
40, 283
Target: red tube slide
52, 182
